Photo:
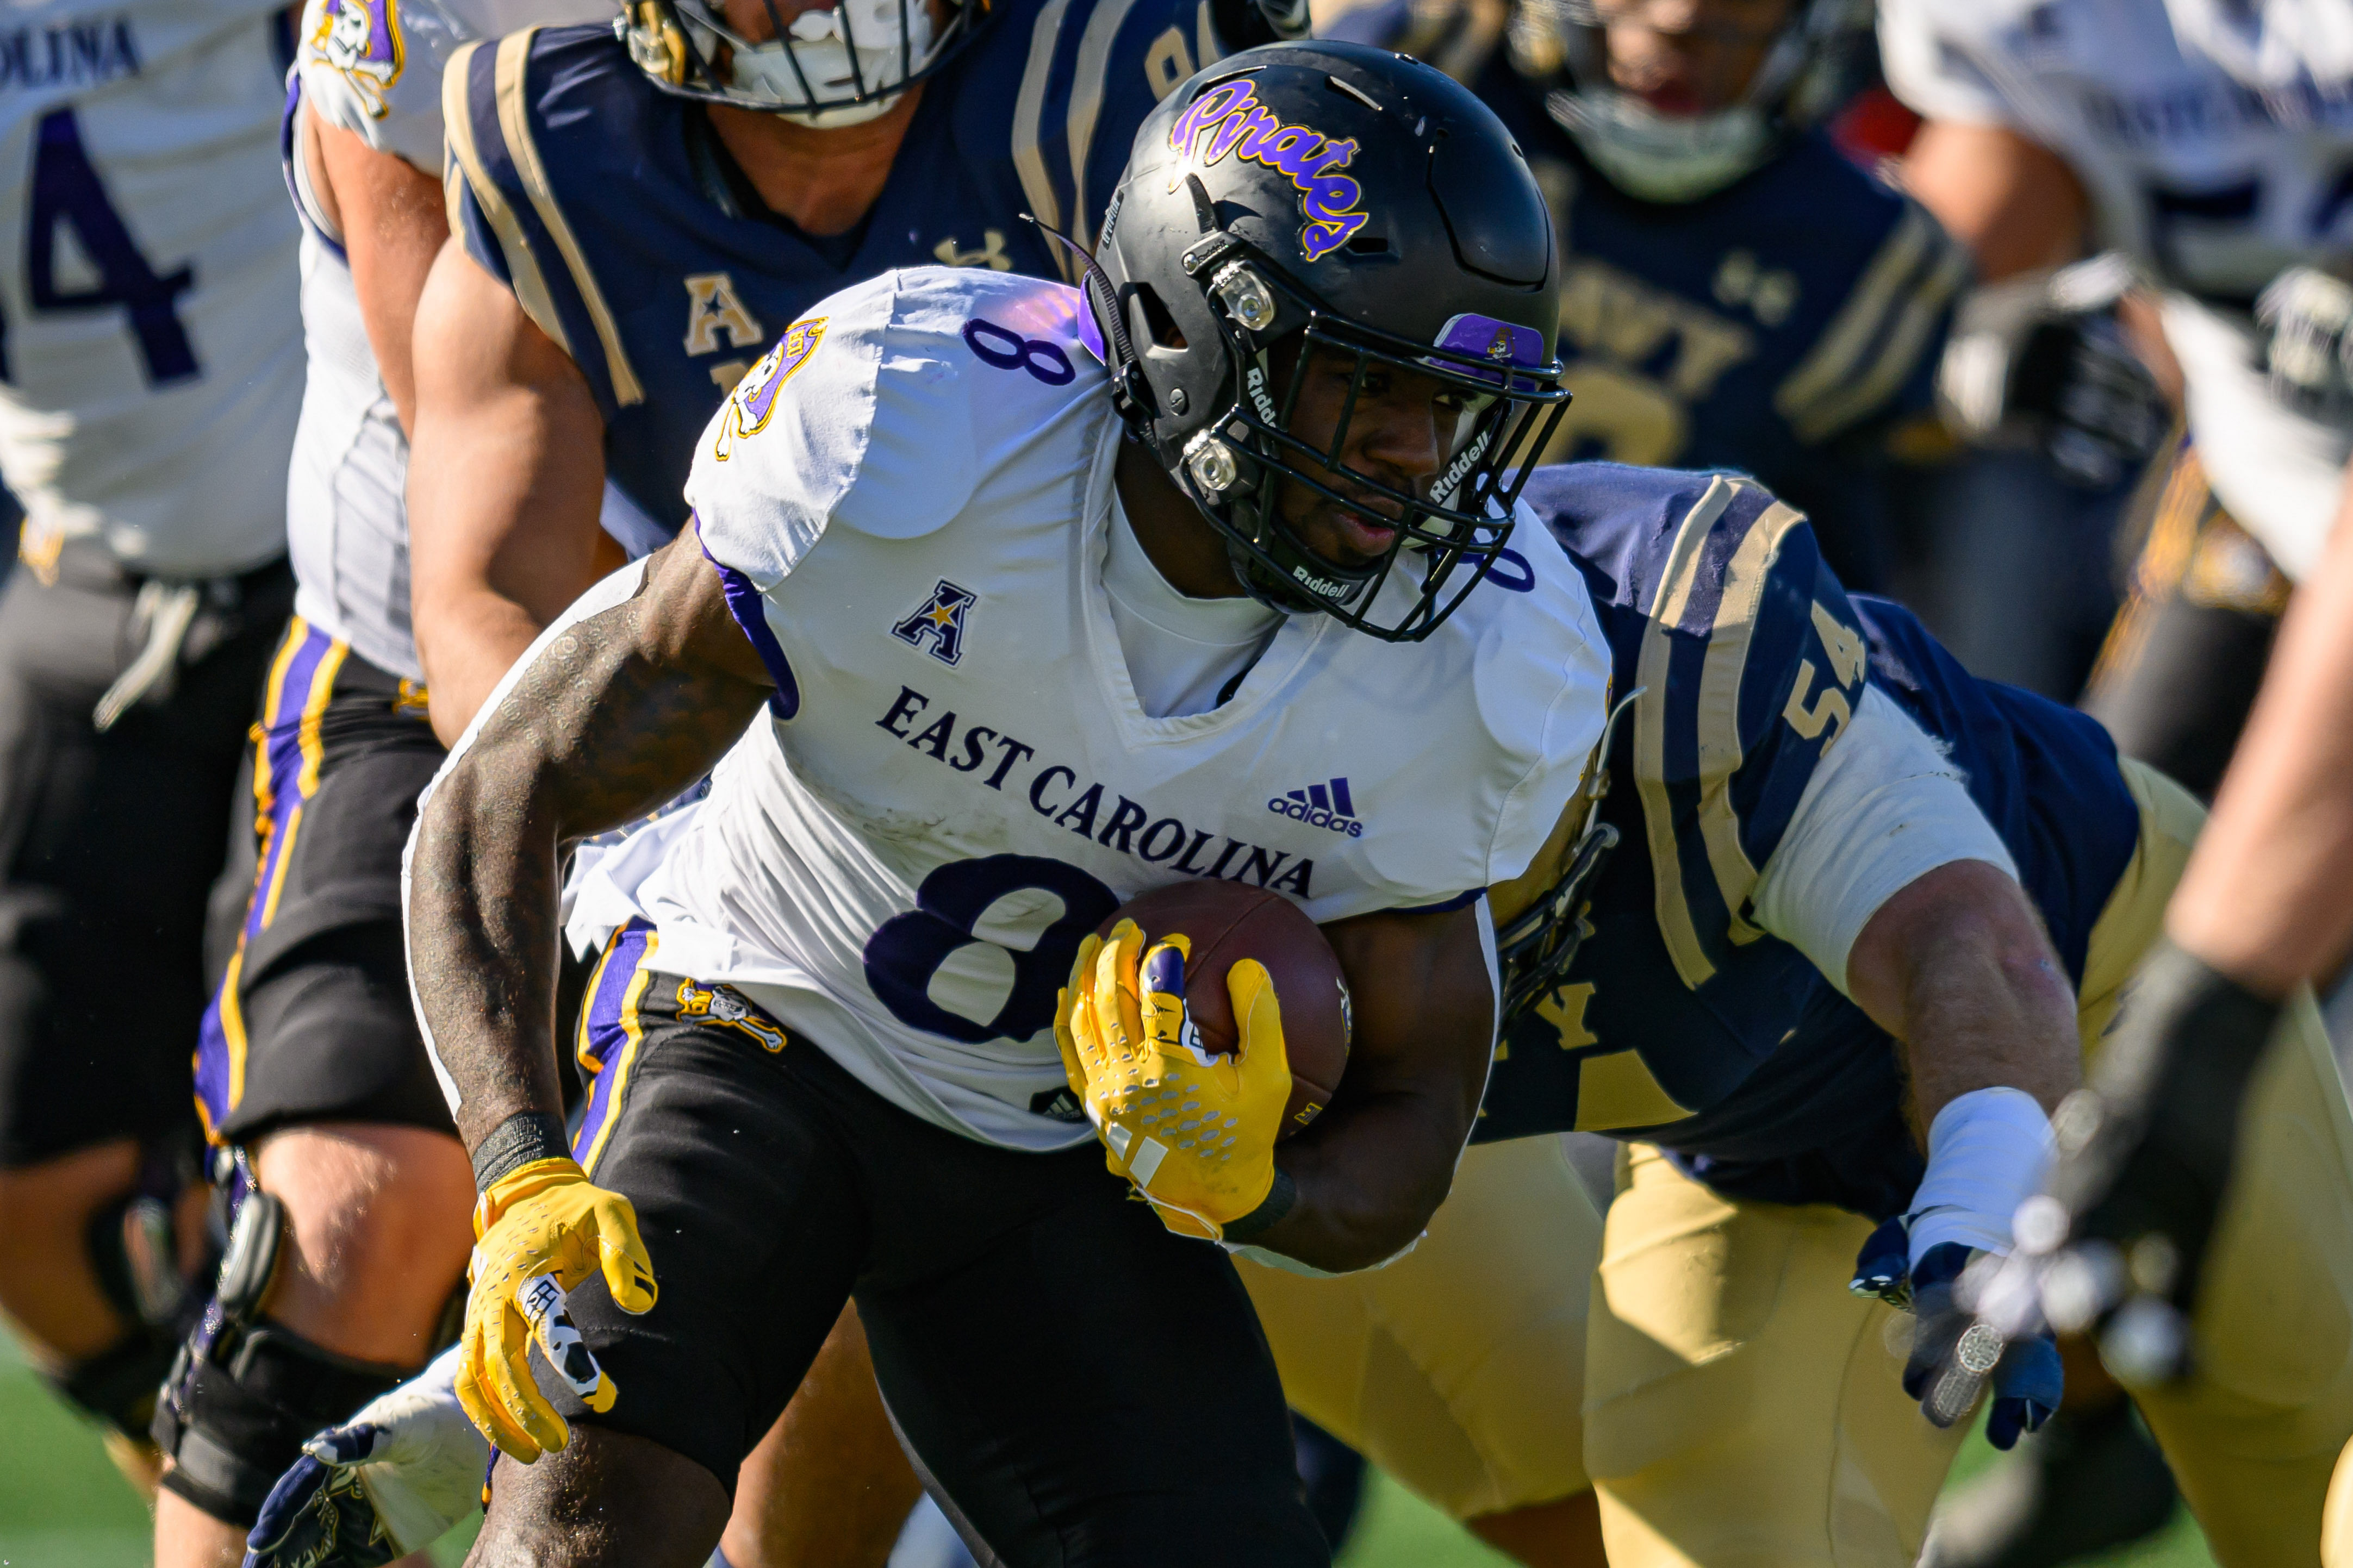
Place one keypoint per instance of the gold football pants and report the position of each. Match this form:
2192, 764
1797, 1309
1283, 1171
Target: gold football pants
1742, 1410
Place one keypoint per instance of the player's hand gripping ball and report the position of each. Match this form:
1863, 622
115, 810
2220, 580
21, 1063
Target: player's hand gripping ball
541, 1230
1191, 1059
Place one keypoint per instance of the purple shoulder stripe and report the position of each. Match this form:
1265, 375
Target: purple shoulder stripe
744, 603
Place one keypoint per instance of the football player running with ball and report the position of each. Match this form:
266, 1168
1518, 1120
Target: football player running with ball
1032, 600
313, 1075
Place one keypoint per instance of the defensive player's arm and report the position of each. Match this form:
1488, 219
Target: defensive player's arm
1957, 966
1378, 1160
392, 219
2014, 203
607, 721
506, 474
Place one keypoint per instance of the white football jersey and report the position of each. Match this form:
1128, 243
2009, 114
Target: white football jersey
910, 497
372, 68
149, 368
2212, 186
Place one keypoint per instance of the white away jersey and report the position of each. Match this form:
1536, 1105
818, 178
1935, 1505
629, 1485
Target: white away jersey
2215, 187
373, 67
150, 369
909, 497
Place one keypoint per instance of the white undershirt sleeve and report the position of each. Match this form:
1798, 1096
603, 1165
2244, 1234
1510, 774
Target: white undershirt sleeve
1884, 807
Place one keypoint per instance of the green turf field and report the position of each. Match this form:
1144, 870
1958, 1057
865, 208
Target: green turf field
62, 1505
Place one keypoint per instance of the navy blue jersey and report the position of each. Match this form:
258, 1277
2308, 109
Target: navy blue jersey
629, 236
1681, 1021
1779, 327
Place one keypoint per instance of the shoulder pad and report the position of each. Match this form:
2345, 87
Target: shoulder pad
886, 410
1749, 660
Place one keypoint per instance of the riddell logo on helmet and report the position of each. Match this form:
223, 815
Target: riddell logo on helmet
1321, 806
1229, 118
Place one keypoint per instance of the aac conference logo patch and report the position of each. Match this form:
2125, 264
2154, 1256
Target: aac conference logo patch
754, 398
937, 625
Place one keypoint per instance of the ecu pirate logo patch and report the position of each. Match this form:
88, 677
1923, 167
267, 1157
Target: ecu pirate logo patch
360, 40
937, 625
723, 1006
749, 406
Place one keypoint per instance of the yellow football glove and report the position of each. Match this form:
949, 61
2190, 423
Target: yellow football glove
539, 1220
1195, 1133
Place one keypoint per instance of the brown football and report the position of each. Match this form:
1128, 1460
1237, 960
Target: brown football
1225, 923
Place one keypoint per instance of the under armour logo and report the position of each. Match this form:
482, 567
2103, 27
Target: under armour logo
938, 620
991, 253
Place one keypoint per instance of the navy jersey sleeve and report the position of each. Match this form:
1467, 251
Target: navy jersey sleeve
1091, 73
503, 207
1875, 359
1748, 660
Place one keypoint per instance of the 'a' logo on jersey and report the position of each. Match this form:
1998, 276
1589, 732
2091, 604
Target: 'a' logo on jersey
937, 625
714, 312
1327, 805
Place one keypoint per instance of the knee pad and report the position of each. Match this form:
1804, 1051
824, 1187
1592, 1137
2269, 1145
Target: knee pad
236, 1410
118, 1385
134, 1253
243, 1393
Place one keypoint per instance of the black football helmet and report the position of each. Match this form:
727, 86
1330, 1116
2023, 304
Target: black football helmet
1334, 198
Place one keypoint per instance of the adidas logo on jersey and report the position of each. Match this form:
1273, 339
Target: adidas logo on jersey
1321, 806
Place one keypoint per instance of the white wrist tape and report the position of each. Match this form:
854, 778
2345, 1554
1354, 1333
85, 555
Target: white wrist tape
1988, 1151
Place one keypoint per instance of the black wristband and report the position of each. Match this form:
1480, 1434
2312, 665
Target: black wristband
525, 1136
1263, 1218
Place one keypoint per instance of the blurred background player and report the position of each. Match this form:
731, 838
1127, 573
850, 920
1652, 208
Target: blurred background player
2058, 124
2054, 127
2164, 1147
1736, 291
152, 377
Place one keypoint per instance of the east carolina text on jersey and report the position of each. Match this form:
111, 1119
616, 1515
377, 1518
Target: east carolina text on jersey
1680, 1021
901, 863
665, 298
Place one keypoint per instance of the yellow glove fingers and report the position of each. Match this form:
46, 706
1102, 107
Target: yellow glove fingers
621, 1255
1258, 1019
488, 1417
1074, 1020
505, 1362
1113, 995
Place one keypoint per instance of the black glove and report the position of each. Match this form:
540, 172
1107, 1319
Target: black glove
2145, 1155
1953, 1356
2042, 359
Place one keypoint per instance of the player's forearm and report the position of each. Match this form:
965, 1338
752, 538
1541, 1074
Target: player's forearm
1368, 1182
618, 710
1957, 966
1379, 1160
2016, 205
2263, 899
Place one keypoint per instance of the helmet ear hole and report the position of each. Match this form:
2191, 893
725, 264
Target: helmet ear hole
1159, 326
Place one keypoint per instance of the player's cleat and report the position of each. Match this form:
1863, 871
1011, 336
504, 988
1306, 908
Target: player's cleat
2084, 1485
